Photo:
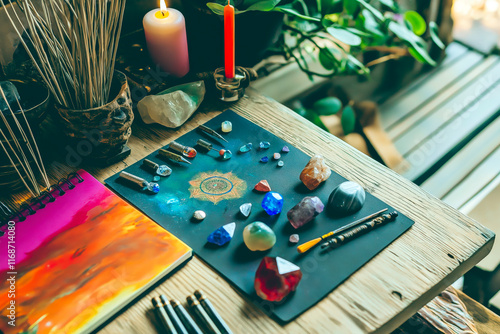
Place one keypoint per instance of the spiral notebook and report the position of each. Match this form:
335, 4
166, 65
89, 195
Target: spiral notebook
76, 256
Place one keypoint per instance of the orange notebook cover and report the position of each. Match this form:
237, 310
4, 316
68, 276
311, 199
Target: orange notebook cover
81, 257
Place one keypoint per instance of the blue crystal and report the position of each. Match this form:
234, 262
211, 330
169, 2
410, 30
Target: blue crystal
153, 187
264, 159
264, 145
156, 178
227, 155
222, 235
272, 203
246, 148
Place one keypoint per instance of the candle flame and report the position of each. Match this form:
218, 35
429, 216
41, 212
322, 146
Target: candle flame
163, 6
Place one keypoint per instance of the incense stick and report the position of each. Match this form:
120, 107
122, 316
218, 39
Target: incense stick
74, 45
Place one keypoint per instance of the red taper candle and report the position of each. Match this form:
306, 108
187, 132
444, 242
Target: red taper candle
229, 40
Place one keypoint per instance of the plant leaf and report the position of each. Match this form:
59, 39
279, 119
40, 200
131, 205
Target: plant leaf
389, 3
434, 30
417, 43
327, 59
344, 36
293, 12
416, 21
372, 10
216, 8
351, 6
327, 106
348, 120
264, 6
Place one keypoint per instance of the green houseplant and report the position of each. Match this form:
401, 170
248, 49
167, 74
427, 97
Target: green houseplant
337, 32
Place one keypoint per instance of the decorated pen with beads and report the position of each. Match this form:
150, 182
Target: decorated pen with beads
360, 230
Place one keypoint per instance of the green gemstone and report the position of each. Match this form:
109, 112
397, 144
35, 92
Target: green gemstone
258, 236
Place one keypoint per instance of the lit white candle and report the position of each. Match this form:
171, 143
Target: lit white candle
165, 30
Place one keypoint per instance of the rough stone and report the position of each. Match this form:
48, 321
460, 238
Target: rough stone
315, 172
305, 211
262, 186
276, 278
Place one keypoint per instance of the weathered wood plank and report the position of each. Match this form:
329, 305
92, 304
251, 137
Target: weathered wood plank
452, 53
481, 176
441, 246
399, 107
464, 162
455, 92
453, 108
435, 150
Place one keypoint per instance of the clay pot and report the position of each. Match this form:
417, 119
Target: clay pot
101, 133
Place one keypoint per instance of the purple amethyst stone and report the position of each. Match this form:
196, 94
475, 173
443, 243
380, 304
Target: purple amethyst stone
305, 211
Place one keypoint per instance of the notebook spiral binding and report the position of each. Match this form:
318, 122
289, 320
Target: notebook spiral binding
39, 202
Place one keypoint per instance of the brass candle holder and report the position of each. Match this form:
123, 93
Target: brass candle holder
232, 89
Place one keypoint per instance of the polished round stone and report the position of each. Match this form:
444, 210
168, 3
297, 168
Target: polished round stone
258, 236
227, 126
346, 199
199, 215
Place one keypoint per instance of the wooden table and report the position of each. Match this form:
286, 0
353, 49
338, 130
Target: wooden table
441, 246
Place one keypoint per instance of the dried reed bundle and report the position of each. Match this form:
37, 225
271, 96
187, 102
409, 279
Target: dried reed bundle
73, 45
20, 146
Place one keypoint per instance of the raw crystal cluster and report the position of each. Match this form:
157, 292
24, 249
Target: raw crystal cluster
262, 186
315, 172
172, 107
222, 235
163, 170
305, 211
245, 209
258, 236
346, 199
276, 278
272, 203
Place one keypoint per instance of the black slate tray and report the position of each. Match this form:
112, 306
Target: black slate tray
173, 207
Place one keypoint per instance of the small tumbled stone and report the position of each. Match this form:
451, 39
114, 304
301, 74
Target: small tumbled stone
264, 159
245, 209
315, 172
305, 211
272, 203
199, 215
153, 187
227, 126
258, 236
222, 235
264, 145
225, 154
294, 239
246, 148
285, 149
276, 156
281, 163
263, 186
156, 178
